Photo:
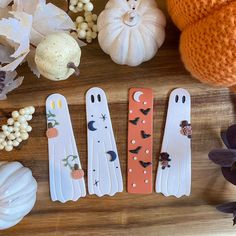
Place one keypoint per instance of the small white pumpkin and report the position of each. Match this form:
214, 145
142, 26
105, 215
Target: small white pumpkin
17, 193
131, 31
58, 56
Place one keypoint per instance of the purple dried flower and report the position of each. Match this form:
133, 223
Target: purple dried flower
231, 136
223, 157
8, 83
226, 158
228, 208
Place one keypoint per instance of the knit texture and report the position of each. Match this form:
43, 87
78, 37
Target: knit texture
208, 39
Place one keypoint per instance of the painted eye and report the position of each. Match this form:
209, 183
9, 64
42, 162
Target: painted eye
99, 97
183, 99
92, 99
176, 98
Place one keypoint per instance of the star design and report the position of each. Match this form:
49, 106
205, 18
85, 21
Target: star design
103, 117
96, 182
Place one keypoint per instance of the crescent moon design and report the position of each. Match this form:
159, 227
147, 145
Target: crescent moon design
113, 155
137, 96
91, 125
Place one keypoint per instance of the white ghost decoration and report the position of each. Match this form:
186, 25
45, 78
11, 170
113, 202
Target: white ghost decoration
65, 170
104, 171
174, 169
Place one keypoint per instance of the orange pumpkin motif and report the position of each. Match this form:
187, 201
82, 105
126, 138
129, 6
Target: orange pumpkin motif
51, 132
77, 173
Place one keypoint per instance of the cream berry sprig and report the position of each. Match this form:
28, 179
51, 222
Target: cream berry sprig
80, 5
17, 128
86, 27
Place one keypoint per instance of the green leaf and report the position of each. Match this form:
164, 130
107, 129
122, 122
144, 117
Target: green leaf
50, 114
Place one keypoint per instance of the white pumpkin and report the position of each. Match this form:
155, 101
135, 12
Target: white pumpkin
131, 31
58, 56
17, 193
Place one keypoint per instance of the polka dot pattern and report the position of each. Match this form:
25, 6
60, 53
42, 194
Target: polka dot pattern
140, 141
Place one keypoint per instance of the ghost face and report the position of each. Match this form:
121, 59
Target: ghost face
180, 103
97, 112
176, 180
63, 155
104, 174
132, 4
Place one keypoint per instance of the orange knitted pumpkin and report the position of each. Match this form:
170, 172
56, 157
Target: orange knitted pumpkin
208, 39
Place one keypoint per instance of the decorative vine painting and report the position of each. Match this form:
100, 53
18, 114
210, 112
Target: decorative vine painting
65, 170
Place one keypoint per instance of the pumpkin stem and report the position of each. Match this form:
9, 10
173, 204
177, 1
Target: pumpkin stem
72, 65
131, 18
76, 166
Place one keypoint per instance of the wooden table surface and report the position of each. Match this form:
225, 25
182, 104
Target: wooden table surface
213, 109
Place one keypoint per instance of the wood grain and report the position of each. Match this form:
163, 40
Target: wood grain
213, 109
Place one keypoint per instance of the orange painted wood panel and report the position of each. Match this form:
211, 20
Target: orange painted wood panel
140, 140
